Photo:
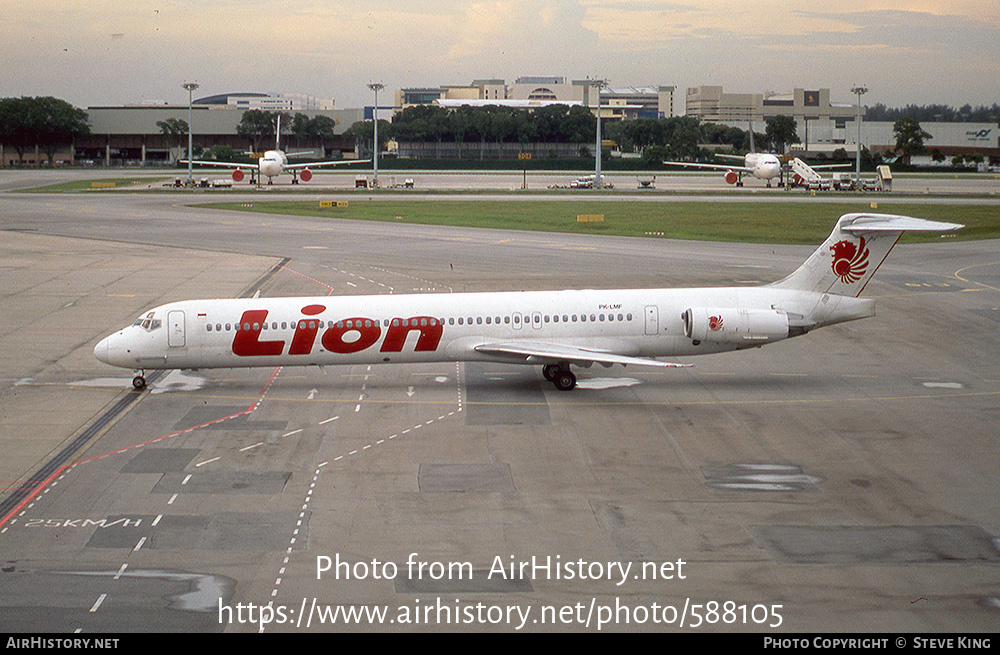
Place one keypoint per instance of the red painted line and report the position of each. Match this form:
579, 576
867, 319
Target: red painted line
329, 289
31, 496
45, 483
248, 410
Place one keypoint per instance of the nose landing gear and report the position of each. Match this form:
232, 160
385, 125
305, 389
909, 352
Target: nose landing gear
139, 381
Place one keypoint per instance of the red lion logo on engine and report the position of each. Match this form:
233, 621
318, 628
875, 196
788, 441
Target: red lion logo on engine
850, 260
715, 323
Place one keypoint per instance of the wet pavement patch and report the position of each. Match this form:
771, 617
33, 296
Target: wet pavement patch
759, 477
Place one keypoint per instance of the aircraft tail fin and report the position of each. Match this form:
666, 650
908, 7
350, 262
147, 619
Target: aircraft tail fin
852, 253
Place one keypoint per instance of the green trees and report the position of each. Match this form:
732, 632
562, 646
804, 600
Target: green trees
43, 123
492, 124
781, 132
175, 129
909, 138
257, 124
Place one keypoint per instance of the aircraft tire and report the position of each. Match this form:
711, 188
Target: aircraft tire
139, 382
550, 371
565, 380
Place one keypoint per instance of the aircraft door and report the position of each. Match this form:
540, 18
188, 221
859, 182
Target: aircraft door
175, 329
652, 320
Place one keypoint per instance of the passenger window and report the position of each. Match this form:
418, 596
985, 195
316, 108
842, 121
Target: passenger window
209, 327
506, 320
489, 320
479, 320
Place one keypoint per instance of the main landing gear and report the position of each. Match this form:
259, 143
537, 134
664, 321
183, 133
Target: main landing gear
139, 381
560, 375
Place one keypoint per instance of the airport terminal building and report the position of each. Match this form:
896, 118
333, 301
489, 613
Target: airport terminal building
527, 92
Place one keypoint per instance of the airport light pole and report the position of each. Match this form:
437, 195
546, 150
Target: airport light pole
600, 84
190, 86
858, 91
376, 87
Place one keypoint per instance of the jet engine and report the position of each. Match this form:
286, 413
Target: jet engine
740, 327
732, 177
306, 175
238, 175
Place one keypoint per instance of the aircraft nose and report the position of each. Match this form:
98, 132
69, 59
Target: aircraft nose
102, 349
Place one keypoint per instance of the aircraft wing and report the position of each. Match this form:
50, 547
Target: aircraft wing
317, 164
818, 166
740, 158
720, 167
535, 353
223, 164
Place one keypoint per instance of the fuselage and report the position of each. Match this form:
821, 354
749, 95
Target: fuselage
327, 330
272, 163
763, 166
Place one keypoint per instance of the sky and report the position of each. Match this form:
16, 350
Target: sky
103, 52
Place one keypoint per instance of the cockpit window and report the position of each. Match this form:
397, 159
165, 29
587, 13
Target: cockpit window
148, 323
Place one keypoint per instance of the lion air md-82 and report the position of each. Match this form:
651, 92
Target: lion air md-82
554, 329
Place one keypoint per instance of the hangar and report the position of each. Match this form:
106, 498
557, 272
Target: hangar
129, 135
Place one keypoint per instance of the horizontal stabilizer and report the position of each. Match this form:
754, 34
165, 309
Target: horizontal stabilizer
533, 352
893, 223
854, 251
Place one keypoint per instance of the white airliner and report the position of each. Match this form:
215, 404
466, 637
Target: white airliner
761, 165
274, 163
554, 329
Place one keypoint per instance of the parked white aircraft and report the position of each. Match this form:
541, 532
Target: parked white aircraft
761, 165
274, 163
555, 329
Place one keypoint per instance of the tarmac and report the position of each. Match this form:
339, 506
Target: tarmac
843, 481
